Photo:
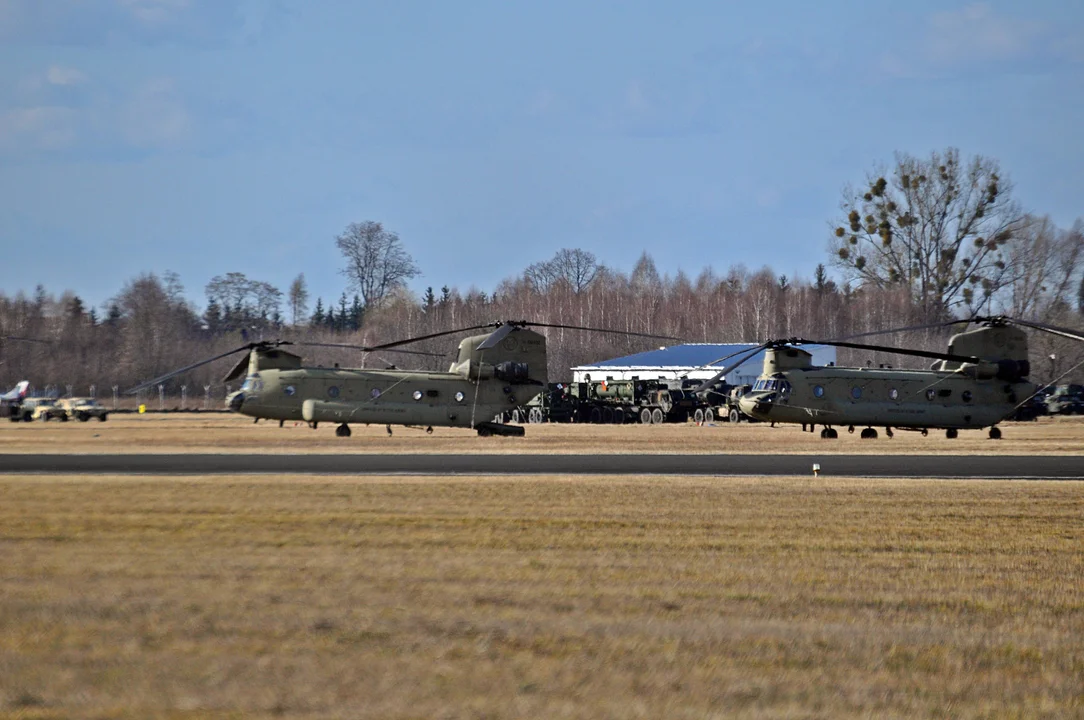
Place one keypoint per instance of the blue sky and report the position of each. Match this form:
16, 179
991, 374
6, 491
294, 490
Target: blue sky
209, 136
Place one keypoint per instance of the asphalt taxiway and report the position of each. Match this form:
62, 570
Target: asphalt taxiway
1056, 467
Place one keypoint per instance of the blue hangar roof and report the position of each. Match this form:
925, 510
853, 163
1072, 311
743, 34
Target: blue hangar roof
690, 356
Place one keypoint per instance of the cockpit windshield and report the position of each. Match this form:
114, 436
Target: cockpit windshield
765, 385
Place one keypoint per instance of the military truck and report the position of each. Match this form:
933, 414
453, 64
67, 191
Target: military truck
649, 402
40, 409
83, 409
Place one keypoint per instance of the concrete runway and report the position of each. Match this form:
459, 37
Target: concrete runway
1026, 467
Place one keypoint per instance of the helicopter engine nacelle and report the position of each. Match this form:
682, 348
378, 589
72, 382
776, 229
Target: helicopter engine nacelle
784, 358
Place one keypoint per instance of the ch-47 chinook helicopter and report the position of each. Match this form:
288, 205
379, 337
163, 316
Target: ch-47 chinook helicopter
979, 382
492, 373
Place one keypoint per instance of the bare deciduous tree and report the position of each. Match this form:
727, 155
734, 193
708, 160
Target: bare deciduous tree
937, 226
376, 261
298, 298
1043, 263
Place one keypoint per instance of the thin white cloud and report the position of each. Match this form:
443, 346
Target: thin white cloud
154, 11
976, 33
978, 39
47, 128
60, 75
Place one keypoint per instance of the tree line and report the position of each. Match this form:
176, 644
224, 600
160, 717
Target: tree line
933, 239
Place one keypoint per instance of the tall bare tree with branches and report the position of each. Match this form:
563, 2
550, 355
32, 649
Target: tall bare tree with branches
376, 262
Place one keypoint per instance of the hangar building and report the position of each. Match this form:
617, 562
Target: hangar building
688, 361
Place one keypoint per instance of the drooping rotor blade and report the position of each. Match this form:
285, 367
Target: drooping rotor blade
904, 329
397, 343
1052, 329
884, 348
186, 368
598, 330
747, 352
366, 348
496, 336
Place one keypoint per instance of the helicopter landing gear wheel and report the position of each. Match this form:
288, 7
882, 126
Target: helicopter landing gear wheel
925, 432
850, 429
888, 432
951, 433
995, 433
342, 431
829, 434
429, 430
735, 416
484, 432
869, 434
389, 429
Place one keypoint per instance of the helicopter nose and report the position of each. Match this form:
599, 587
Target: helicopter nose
235, 401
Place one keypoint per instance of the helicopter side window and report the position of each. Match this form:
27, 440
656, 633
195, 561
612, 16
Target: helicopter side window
418, 394
459, 397
289, 390
894, 394
930, 394
374, 393
333, 391
966, 396
818, 391
856, 392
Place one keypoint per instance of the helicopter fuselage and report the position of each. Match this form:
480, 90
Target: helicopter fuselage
883, 397
342, 395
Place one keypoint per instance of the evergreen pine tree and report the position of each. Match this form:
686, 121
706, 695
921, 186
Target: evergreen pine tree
318, 314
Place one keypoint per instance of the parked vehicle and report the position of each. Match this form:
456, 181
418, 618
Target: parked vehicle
40, 409
82, 409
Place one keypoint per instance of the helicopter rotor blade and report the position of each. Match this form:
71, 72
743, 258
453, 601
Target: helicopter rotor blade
186, 368
367, 348
903, 329
748, 352
496, 336
1052, 329
591, 329
884, 348
397, 343
26, 339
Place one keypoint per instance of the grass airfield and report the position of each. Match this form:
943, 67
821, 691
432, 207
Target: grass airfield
226, 433
547, 596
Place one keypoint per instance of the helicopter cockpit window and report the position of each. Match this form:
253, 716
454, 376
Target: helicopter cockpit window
762, 385
856, 392
894, 394
333, 391
784, 387
418, 394
818, 391
289, 390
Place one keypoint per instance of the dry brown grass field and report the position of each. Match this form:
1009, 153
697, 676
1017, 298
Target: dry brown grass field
217, 433
542, 597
